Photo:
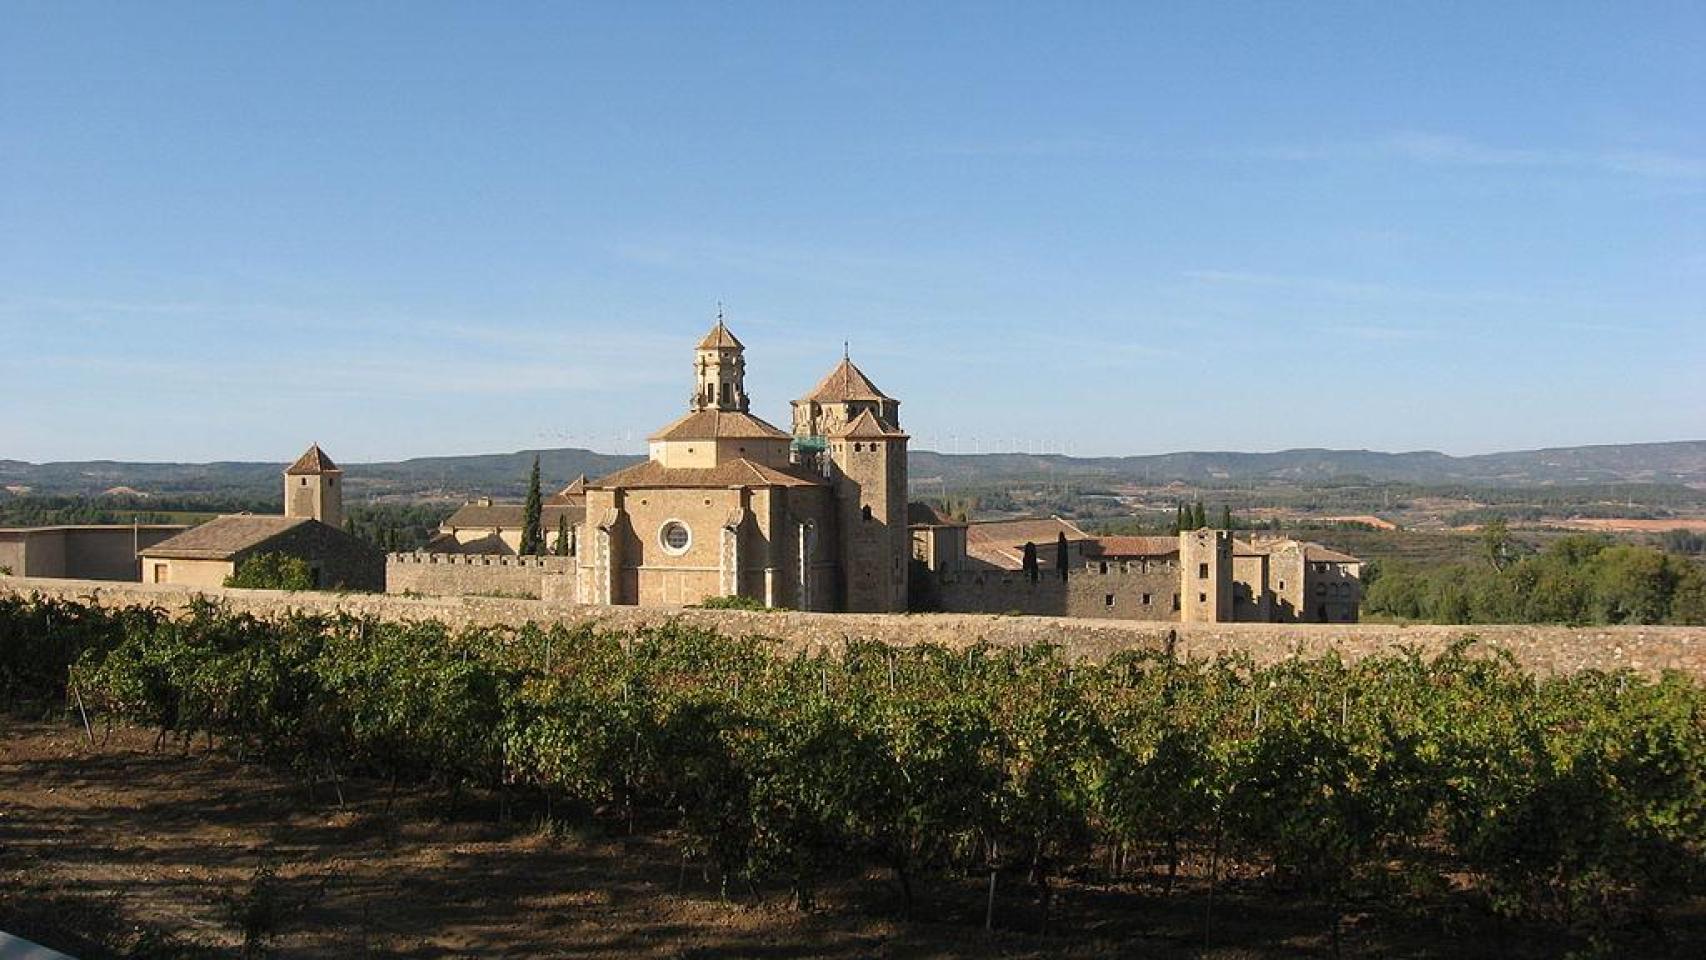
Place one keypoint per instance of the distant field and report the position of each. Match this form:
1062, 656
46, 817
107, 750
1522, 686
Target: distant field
1635, 525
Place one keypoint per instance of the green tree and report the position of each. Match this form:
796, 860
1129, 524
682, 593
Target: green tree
272, 571
1029, 564
1633, 585
1062, 555
1496, 541
532, 537
1199, 517
1225, 516
562, 549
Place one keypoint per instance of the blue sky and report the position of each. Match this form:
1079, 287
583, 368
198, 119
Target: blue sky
405, 229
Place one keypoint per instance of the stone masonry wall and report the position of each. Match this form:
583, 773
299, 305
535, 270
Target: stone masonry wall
1085, 593
461, 575
1545, 649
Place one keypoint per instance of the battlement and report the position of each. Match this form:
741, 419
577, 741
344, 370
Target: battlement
476, 574
1126, 590
561, 565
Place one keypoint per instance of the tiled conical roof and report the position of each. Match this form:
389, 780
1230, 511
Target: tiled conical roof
313, 461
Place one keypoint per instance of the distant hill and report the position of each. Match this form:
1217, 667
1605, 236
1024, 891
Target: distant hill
505, 474
1677, 462
498, 475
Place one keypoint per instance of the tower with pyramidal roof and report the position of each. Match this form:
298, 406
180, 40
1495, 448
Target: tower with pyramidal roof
313, 488
853, 429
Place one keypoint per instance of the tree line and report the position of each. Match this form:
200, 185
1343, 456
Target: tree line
1578, 800
1577, 579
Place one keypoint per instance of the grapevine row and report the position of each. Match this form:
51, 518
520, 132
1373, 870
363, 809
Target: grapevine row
1579, 798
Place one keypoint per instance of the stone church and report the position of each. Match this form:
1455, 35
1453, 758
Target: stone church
729, 505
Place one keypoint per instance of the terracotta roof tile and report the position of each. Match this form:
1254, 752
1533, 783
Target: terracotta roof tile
924, 515
478, 515
720, 339
313, 461
735, 473
715, 424
1136, 546
867, 426
845, 382
1001, 543
224, 537
1315, 553
571, 495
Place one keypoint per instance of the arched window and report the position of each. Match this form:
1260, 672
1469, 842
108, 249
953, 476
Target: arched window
866, 510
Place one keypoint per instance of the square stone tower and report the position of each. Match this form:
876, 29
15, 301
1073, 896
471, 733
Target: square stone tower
1205, 576
857, 429
313, 487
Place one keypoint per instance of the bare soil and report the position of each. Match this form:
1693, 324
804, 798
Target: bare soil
114, 850
1634, 524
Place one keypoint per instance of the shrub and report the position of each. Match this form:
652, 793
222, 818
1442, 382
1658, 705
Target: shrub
272, 571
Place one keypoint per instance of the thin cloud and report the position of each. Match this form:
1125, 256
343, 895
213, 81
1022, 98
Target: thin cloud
1447, 149
1355, 289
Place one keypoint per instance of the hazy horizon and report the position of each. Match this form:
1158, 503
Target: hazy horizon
914, 449
423, 229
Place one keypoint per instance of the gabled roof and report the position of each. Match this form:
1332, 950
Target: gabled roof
1001, 543
574, 493
489, 545
739, 472
1310, 551
845, 382
480, 515
920, 514
714, 424
1113, 547
224, 537
1315, 553
867, 426
313, 461
720, 339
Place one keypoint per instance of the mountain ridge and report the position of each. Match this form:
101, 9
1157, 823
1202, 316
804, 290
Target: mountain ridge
504, 474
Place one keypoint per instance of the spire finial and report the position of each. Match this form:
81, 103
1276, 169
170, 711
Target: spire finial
845, 354
719, 313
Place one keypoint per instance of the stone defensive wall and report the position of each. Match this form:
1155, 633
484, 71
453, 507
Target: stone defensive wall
1544, 649
476, 575
1122, 592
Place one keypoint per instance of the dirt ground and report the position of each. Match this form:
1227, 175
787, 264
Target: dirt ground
115, 850
1634, 525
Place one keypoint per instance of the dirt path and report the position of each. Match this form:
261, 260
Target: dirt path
117, 850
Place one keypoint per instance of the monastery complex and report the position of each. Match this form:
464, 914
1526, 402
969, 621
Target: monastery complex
726, 504
817, 518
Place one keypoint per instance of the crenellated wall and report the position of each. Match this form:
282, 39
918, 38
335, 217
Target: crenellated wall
1122, 591
475, 575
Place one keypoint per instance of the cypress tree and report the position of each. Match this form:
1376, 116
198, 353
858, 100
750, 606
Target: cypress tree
1029, 564
562, 535
532, 538
1225, 517
1199, 519
1061, 554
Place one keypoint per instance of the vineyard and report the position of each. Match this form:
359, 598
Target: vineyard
1575, 801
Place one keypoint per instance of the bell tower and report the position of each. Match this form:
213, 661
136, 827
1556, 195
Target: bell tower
719, 371
858, 426
313, 488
